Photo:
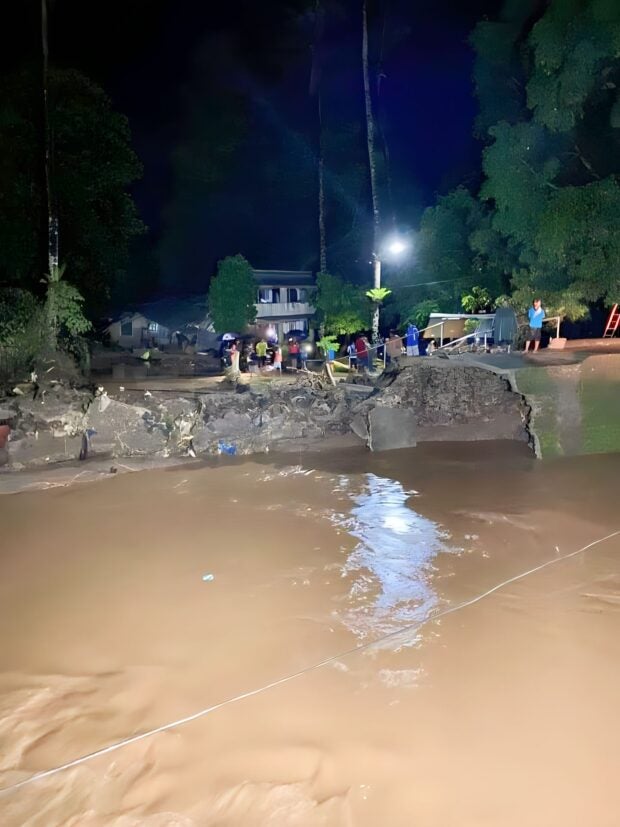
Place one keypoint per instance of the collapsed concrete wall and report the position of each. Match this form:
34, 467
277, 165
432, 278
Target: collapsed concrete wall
575, 409
420, 401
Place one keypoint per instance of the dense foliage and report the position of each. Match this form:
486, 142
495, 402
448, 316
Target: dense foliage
342, 308
92, 168
546, 219
232, 295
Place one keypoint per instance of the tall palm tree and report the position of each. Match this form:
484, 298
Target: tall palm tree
315, 91
52, 222
370, 142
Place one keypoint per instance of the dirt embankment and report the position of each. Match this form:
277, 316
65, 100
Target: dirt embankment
422, 400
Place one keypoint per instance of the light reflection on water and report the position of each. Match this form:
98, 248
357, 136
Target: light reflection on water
392, 564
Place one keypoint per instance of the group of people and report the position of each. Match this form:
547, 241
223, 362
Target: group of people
391, 349
257, 355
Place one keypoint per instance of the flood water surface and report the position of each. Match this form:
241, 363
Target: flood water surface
132, 603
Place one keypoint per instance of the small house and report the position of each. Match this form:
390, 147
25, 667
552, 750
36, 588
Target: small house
283, 302
165, 324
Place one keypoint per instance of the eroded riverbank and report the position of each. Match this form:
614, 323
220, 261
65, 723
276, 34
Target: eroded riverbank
502, 713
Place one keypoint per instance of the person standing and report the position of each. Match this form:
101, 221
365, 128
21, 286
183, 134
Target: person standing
277, 359
412, 340
234, 356
536, 317
352, 354
261, 352
293, 352
303, 359
4, 438
394, 347
361, 349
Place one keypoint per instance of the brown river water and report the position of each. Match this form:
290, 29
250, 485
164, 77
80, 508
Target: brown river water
504, 712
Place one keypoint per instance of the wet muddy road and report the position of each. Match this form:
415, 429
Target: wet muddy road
501, 713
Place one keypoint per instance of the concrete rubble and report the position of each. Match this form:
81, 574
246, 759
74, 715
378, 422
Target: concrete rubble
419, 401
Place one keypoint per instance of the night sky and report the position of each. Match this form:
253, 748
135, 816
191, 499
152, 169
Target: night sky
143, 52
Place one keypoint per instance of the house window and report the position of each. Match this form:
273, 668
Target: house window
268, 295
293, 294
127, 328
153, 327
295, 324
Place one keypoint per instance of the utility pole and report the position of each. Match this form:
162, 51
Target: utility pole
370, 141
52, 220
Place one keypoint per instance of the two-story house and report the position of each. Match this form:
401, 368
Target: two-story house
284, 302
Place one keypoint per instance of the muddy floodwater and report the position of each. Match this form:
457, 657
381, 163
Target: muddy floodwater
146, 598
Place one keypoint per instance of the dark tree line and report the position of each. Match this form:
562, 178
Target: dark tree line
546, 218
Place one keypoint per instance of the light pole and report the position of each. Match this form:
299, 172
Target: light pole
393, 247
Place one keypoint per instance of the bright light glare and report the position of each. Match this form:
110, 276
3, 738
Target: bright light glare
396, 247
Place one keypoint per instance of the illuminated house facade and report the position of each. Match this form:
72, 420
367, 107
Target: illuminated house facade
284, 302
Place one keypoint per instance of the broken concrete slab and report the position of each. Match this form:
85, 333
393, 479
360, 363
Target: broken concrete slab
124, 429
359, 426
391, 428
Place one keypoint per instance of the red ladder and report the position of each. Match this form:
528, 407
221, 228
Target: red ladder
612, 323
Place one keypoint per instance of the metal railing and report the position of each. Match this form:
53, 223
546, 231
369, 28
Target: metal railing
346, 361
437, 324
556, 319
454, 342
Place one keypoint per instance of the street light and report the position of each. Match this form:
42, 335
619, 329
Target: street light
392, 248
396, 246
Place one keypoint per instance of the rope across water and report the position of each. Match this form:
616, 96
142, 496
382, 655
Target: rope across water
293, 676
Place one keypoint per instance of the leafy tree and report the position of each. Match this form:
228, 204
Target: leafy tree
459, 248
342, 307
22, 332
327, 343
575, 47
500, 65
92, 168
63, 308
378, 295
520, 167
579, 232
20, 318
478, 300
420, 313
552, 168
232, 295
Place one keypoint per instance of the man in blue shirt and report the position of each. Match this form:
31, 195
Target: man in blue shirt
412, 340
536, 317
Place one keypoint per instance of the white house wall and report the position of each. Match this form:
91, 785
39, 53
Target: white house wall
140, 334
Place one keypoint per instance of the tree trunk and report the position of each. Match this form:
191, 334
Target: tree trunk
51, 228
315, 89
322, 232
376, 309
381, 128
370, 129
370, 142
